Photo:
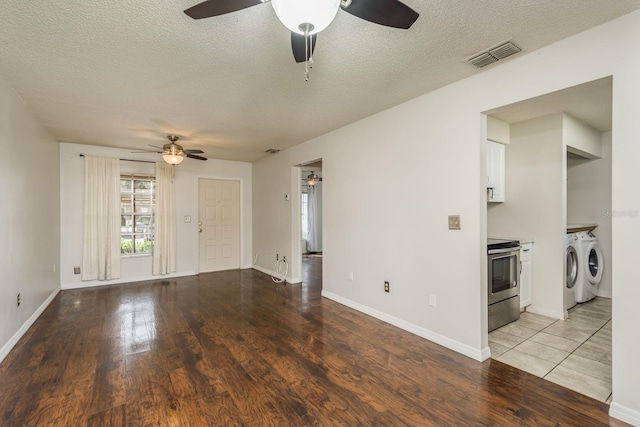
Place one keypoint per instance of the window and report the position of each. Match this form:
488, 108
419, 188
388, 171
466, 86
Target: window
137, 207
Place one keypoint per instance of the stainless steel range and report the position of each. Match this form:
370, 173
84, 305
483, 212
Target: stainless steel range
504, 282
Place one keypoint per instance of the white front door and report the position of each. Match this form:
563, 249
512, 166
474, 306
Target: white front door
219, 224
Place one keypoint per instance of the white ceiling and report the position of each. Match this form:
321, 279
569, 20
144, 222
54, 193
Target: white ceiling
126, 73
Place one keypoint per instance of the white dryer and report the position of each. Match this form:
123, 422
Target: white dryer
591, 265
573, 264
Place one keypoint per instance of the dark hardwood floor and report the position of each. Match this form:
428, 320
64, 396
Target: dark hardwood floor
233, 348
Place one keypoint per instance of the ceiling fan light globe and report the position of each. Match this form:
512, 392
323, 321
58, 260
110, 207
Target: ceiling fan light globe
294, 13
312, 179
173, 158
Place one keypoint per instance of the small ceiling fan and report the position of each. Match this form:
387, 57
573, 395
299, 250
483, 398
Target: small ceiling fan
173, 153
312, 179
306, 18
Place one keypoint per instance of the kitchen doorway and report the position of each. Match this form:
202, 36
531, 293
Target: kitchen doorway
545, 189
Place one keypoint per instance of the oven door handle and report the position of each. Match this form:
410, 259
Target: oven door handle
503, 251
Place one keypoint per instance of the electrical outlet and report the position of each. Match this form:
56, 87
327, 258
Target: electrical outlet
18, 301
351, 276
76, 270
386, 286
54, 268
454, 222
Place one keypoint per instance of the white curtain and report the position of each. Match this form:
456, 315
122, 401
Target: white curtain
101, 243
314, 219
164, 246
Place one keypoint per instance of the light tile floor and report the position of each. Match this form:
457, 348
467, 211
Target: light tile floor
574, 353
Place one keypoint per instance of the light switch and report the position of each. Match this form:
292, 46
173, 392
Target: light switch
432, 300
454, 222
187, 218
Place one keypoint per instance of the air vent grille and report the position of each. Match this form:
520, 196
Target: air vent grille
272, 150
493, 54
482, 60
504, 50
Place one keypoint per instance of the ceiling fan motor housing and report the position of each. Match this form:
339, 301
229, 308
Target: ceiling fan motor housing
301, 15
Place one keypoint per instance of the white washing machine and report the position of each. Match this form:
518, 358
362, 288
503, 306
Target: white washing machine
591, 263
573, 264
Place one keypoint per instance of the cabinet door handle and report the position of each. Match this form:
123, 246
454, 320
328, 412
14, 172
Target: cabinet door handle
526, 250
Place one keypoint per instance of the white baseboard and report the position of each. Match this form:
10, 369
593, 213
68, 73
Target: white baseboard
604, 294
562, 315
26, 325
485, 354
263, 270
92, 283
290, 280
454, 345
624, 413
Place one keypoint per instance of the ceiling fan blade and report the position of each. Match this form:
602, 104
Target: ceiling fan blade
209, 8
147, 151
297, 45
390, 13
155, 146
193, 151
193, 156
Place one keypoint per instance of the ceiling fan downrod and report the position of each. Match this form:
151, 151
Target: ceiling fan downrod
308, 57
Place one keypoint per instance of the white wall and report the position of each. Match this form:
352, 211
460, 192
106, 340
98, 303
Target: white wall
581, 139
534, 206
428, 159
498, 131
589, 201
29, 214
187, 174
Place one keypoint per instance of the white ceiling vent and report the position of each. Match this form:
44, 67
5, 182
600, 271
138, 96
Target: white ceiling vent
493, 54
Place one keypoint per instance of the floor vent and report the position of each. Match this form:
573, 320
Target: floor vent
272, 150
493, 54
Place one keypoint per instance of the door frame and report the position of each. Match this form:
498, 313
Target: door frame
296, 225
197, 179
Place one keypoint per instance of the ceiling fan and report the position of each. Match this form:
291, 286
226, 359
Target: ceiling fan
306, 18
312, 179
173, 153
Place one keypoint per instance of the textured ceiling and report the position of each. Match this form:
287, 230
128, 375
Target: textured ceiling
126, 73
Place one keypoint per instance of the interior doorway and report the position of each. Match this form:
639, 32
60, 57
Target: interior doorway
311, 224
218, 225
557, 156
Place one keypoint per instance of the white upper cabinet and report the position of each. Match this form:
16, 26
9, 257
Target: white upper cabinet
498, 134
495, 172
